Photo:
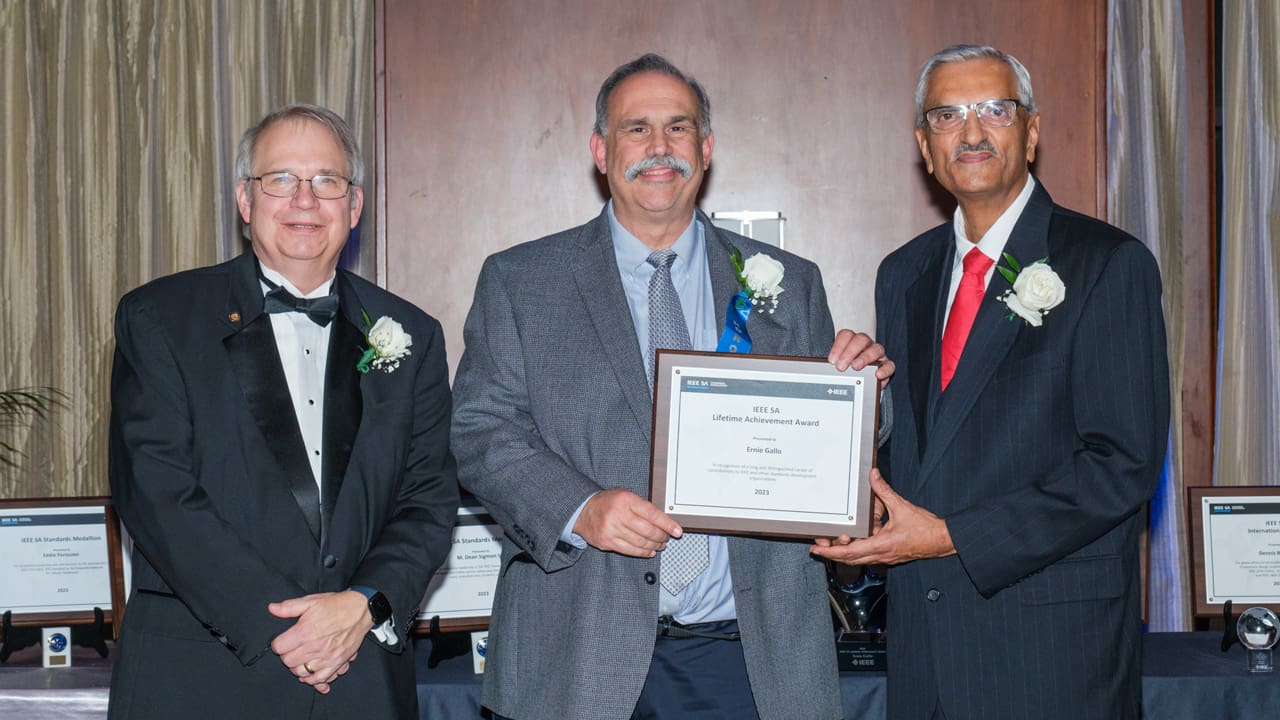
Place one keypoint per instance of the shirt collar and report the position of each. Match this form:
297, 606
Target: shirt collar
633, 254
992, 244
283, 282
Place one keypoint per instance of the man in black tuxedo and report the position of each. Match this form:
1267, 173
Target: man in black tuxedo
1029, 435
283, 467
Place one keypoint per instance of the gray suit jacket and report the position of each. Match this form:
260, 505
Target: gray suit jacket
552, 405
1040, 455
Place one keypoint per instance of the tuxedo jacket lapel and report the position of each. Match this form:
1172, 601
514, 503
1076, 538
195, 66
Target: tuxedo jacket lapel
595, 271
993, 332
251, 348
343, 399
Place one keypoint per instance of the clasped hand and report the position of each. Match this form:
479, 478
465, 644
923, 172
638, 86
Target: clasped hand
323, 643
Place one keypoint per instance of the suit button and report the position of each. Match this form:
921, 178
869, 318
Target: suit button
933, 595
650, 578
329, 561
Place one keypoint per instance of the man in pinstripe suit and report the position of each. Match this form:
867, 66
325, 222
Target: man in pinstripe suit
1030, 433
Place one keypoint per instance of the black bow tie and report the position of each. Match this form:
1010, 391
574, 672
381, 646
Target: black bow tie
321, 310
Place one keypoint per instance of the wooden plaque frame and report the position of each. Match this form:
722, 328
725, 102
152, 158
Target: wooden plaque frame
1196, 496
115, 564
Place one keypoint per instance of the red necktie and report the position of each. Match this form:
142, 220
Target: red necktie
963, 310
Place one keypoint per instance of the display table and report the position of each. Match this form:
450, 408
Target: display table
1185, 677
31, 692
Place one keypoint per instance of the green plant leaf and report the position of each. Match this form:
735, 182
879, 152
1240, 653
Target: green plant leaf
735, 257
32, 401
1013, 263
368, 324
1007, 273
24, 405
7, 453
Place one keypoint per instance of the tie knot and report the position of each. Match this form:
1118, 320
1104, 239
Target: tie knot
661, 258
976, 262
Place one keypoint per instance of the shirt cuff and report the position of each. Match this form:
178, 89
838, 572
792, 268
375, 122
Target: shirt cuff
567, 535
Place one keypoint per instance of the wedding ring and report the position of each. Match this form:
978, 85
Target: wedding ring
307, 666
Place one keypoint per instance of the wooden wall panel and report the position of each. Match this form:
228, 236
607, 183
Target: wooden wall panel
487, 106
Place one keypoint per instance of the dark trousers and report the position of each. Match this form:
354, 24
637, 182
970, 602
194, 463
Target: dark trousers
697, 678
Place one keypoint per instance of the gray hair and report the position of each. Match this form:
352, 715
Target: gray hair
961, 53
341, 132
651, 63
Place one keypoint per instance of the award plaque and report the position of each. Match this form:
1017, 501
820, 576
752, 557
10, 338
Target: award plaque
763, 445
460, 594
60, 561
1235, 544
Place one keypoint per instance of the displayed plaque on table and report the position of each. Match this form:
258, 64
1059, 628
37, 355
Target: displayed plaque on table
1235, 537
763, 445
59, 560
460, 593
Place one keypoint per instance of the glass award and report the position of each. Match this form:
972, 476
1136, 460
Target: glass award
1259, 628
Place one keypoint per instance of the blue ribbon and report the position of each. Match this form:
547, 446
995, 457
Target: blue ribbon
735, 339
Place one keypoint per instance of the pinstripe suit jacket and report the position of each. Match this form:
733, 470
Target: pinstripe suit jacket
1040, 456
552, 405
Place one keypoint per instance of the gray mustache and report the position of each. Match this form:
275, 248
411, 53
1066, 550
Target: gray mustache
668, 161
984, 146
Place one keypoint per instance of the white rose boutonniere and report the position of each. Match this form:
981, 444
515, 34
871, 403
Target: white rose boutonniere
1037, 289
388, 344
760, 277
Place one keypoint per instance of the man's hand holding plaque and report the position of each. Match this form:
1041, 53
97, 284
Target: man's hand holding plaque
911, 533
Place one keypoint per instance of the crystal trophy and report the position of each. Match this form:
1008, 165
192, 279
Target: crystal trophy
1259, 628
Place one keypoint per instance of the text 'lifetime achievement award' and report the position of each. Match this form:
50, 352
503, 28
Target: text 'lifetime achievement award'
763, 445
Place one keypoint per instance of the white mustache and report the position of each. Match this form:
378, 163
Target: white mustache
667, 161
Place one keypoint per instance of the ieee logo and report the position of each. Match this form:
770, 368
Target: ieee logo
838, 391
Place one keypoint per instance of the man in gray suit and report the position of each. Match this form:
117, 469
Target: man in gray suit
594, 615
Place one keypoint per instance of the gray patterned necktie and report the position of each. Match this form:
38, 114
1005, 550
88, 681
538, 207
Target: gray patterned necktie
685, 558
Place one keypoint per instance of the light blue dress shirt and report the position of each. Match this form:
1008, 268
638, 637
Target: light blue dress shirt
709, 597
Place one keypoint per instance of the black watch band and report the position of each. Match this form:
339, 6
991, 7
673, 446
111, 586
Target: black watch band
379, 606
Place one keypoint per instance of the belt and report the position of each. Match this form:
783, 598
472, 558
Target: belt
668, 627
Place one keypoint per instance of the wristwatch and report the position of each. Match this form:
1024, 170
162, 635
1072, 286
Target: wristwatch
379, 607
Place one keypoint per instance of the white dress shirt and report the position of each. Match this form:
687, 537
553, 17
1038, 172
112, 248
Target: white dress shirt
992, 244
304, 352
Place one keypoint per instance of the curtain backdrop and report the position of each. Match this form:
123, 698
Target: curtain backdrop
1248, 433
118, 123
1146, 173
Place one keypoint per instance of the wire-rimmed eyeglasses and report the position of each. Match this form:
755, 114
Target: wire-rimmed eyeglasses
286, 184
992, 113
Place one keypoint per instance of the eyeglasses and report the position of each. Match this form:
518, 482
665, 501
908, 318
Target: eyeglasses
285, 185
992, 113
